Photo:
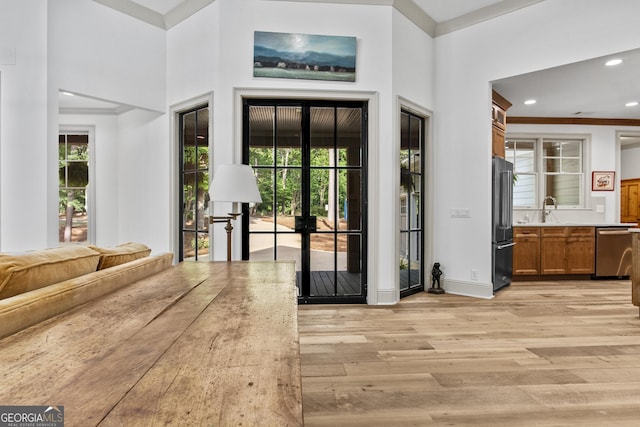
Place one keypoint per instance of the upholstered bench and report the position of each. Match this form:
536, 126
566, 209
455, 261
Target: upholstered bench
37, 285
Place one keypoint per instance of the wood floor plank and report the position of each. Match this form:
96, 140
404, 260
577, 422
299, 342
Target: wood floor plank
538, 354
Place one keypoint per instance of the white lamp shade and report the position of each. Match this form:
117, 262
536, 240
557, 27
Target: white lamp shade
235, 183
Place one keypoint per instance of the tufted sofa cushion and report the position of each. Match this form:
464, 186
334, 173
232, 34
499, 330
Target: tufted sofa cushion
120, 254
27, 271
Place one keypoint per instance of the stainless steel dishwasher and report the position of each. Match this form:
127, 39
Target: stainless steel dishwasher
613, 252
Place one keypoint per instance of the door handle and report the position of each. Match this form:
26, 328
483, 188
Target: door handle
308, 224
508, 245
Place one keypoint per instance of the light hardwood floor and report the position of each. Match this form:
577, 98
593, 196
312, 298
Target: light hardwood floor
538, 354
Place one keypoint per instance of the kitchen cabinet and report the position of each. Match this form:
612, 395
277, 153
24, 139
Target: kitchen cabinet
580, 250
498, 123
560, 250
526, 252
552, 250
629, 202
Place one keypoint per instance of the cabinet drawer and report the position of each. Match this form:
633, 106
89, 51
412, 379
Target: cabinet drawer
519, 232
581, 231
553, 231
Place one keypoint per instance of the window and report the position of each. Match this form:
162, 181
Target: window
73, 175
547, 166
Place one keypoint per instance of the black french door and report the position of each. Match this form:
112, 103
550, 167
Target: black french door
309, 160
194, 183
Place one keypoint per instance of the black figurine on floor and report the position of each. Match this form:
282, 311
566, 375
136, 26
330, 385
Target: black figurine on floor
435, 280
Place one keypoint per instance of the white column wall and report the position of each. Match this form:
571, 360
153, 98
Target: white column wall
23, 119
543, 35
413, 87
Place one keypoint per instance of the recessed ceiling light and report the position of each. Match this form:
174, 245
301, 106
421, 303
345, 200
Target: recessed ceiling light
529, 102
612, 62
631, 104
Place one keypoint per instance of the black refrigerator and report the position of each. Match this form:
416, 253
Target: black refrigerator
502, 223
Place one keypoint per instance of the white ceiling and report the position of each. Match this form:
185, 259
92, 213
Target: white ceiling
584, 89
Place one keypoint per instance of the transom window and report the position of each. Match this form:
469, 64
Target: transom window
547, 166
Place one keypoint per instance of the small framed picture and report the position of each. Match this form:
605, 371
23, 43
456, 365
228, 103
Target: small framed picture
602, 180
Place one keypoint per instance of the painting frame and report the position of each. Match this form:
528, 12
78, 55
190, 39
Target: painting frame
603, 180
304, 56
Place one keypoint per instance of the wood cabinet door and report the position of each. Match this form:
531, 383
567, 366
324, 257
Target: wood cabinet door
580, 255
526, 252
629, 202
552, 259
498, 142
526, 255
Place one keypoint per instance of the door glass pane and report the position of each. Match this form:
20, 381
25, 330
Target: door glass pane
261, 132
349, 264
350, 195
189, 198
194, 196
415, 262
203, 243
189, 243
289, 196
410, 221
322, 264
322, 126
262, 212
349, 136
289, 136
404, 256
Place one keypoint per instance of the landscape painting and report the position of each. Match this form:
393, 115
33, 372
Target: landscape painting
304, 56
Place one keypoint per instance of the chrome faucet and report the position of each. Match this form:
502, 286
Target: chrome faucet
544, 207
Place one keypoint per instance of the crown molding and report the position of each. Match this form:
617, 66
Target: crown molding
481, 15
407, 8
183, 11
512, 120
136, 11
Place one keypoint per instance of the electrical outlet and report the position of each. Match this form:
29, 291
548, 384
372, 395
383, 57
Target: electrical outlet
461, 213
474, 274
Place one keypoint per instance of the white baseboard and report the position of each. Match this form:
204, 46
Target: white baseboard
385, 297
469, 289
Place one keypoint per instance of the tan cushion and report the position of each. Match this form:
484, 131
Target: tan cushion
33, 270
21, 311
120, 254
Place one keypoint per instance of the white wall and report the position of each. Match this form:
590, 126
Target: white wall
23, 131
218, 43
99, 52
630, 163
543, 35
